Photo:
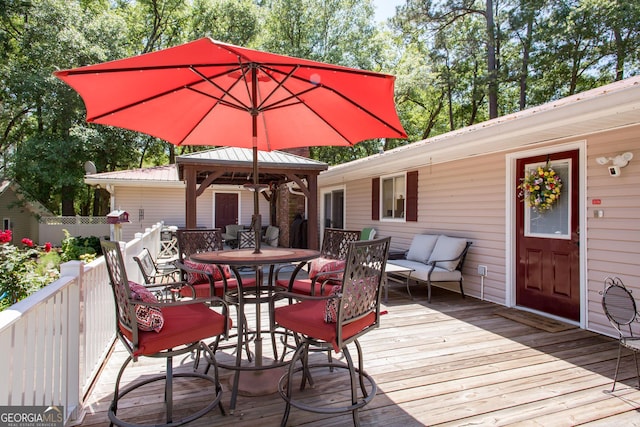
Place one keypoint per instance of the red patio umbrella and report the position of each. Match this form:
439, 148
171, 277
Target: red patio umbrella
211, 93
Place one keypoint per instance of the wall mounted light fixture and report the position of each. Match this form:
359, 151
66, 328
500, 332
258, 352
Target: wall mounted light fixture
619, 161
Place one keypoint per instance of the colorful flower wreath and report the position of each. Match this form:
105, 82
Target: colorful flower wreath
541, 188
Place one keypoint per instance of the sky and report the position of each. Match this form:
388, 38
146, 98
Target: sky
386, 8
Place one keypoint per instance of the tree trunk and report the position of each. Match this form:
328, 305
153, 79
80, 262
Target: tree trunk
67, 201
619, 42
524, 72
491, 62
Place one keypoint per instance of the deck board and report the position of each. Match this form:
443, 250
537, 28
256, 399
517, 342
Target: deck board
452, 362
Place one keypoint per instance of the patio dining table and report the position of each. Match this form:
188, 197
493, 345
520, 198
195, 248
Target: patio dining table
259, 377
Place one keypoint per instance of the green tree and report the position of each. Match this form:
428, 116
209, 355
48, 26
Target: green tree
230, 21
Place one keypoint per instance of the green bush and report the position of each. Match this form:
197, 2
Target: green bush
24, 270
80, 248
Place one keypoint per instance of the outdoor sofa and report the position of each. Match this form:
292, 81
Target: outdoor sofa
434, 258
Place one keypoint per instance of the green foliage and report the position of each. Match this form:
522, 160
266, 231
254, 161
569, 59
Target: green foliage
24, 271
80, 248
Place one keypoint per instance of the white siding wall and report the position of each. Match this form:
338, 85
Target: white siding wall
168, 205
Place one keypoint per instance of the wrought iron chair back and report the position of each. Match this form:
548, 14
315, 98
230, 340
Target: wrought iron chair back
151, 271
125, 309
191, 241
620, 308
246, 239
361, 286
335, 242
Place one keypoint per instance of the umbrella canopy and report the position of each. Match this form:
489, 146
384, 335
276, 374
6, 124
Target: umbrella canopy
211, 93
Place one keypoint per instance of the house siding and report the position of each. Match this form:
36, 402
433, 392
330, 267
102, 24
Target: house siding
24, 223
463, 199
168, 205
613, 241
467, 198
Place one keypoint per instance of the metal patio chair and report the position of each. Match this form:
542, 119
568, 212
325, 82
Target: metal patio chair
620, 308
335, 320
154, 272
147, 327
325, 271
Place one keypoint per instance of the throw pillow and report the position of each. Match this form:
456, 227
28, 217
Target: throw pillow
327, 265
212, 269
331, 306
421, 247
149, 318
448, 248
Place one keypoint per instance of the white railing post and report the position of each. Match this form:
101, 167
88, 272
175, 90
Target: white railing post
73, 362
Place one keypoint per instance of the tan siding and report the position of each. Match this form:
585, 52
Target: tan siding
23, 222
465, 199
613, 241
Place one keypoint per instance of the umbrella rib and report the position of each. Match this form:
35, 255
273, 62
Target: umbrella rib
240, 104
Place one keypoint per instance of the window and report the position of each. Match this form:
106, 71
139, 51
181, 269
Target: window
6, 224
386, 203
394, 190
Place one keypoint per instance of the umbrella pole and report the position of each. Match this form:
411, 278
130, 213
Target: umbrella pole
256, 220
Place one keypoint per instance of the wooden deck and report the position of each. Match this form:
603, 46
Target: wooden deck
452, 362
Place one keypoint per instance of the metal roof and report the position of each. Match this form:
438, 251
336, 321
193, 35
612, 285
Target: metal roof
225, 157
234, 156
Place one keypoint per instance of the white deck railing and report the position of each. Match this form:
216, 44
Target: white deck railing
55, 341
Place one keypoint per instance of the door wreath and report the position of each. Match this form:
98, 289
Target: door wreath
540, 188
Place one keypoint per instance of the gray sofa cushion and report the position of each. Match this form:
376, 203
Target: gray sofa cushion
421, 247
421, 271
447, 248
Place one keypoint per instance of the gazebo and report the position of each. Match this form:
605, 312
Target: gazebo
234, 166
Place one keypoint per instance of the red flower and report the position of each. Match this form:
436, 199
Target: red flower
47, 247
27, 242
5, 236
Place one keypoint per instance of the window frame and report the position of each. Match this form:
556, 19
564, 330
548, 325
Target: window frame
395, 198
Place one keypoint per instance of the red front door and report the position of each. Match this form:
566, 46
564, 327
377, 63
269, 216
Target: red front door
547, 251
226, 210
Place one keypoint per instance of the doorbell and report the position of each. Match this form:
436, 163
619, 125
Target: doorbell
614, 171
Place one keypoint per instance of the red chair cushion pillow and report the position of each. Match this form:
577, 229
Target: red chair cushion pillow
331, 306
212, 269
326, 265
148, 318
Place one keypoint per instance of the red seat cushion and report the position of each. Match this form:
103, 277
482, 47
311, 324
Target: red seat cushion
183, 324
307, 318
203, 289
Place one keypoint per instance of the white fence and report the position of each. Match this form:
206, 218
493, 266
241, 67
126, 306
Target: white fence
51, 228
54, 342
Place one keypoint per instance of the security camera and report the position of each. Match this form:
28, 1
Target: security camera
614, 170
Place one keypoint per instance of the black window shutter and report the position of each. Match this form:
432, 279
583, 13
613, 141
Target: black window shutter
412, 196
375, 199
